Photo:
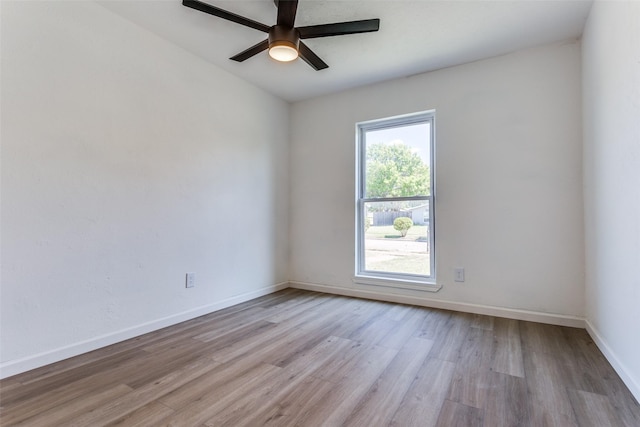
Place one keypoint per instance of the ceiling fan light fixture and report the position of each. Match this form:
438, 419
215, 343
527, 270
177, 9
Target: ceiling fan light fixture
283, 52
283, 43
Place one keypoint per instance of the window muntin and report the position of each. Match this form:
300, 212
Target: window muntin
396, 179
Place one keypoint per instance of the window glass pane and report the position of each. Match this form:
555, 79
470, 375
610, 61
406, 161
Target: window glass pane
398, 161
396, 249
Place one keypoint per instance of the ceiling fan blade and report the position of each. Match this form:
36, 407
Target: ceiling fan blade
220, 13
339, 28
253, 50
287, 12
311, 58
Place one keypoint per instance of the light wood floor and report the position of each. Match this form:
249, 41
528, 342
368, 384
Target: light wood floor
309, 359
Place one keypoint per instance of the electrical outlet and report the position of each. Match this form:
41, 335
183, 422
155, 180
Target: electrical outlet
191, 280
458, 274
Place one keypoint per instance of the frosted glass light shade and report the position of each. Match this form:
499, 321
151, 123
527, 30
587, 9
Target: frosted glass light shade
283, 53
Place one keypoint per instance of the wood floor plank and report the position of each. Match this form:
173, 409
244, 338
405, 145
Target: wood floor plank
337, 368
328, 309
278, 336
384, 397
546, 388
292, 405
226, 373
451, 337
218, 377
300, 346
40, 402
284, 298
205, 333
217, 399
267, 393
309, 361
8, 384
592, 361
374, 331
331, 305
315, 302
138, 398
304, 358
363, 321
133, 344
506, 404
458, 415
350, 388
261, 396
193, 326
594, 410
246, 332
57, 369
543, 338
61, 414
470, 382
78, 385
404, 329
53, 382
435, 324
317, 316
368, 308
586, 367
195, 388
507, 356
328, 352
421, 404
164, 364
148, 415
342, 322
483, 322
399, 312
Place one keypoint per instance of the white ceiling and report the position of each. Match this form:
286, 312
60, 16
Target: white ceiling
415, 36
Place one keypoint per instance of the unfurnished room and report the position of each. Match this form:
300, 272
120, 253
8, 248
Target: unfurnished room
320, 213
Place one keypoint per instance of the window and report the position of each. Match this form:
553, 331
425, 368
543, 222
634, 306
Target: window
395, 204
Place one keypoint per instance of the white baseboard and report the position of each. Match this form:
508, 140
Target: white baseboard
509, 313
18, 366
632, 383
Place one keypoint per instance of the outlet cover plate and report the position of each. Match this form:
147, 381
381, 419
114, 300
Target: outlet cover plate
191, 280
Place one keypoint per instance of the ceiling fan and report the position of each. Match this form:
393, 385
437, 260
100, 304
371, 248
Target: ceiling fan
284, 41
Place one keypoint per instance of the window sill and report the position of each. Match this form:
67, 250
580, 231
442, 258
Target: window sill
397, 283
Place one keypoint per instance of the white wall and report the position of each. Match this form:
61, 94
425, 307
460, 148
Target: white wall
611, 88
127, 162
509, 196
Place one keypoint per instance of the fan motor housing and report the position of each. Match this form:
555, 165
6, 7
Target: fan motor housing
281, 35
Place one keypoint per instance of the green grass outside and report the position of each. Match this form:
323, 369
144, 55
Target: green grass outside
408, 264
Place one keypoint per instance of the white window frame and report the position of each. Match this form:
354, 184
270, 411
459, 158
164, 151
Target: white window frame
390, 279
